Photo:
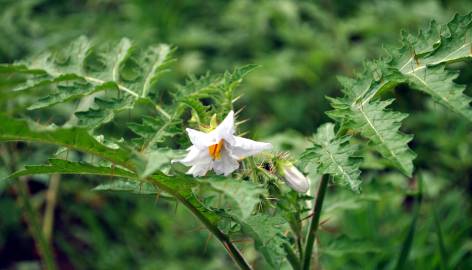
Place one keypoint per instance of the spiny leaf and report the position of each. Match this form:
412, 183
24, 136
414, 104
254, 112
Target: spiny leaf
132, 69
266, 232
334, 156
128, 186
157, 160
73, 138
60, 166
382, 127
428, 55
245, 195
103, 111
181, 186
65, 88
420, 62
439, 84
217, 88
84, 68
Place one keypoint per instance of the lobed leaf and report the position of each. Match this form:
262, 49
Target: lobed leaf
334, 156
128, 186
60, 166
266, 232
84, 68
244, 194
73, 138
421, 62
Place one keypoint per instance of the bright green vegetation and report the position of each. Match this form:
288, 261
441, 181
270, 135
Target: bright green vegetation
95, 98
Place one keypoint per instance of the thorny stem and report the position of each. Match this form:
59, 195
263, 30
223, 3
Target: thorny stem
223, 238
315, 220
253, 166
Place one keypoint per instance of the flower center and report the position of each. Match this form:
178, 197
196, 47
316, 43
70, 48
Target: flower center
215, 150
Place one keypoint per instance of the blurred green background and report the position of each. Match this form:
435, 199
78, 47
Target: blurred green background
301, 46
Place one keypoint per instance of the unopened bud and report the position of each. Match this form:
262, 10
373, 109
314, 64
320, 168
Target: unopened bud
294, 178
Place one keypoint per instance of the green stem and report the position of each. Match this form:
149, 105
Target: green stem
292, 257
35, 228
315, 221
253, 167
51, 199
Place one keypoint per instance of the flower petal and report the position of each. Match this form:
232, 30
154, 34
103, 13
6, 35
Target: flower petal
199, 159
194, 156
225, 130
226, 164
200, 169
199, 139
245, 147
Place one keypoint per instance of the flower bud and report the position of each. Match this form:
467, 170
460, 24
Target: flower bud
294, 178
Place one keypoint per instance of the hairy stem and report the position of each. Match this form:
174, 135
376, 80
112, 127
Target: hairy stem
253, 167
315, 221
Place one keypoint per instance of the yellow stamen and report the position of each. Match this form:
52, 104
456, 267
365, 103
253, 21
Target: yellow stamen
215, 150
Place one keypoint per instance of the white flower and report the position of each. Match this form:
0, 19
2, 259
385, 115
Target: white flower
294, 178
219, 149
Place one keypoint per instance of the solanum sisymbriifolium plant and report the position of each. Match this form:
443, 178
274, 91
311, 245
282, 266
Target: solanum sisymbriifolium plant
185, 143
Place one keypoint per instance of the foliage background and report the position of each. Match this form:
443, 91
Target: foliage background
301, 47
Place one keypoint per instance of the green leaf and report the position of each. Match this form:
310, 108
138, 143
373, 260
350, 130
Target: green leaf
132, 69
128, 186
73, 138
439, 84
422, 61
158, 160
382, 128
84, 68
266, 232
60, 166
334, 156
244, 194
218, 88
181, 186
103, 111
